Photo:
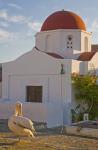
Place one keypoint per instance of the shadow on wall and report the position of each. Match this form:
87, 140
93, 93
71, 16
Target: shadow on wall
93, 72
83, 68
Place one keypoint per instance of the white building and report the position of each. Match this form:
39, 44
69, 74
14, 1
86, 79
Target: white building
41, 78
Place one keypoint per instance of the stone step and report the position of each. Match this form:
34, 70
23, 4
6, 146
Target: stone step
4, 125
39, 126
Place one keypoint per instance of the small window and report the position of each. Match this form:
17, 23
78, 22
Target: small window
34, 94
69, 38
69, 42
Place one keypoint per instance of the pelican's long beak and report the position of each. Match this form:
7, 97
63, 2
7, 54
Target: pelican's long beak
20, 110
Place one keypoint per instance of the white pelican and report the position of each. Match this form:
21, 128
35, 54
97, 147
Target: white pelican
20, 125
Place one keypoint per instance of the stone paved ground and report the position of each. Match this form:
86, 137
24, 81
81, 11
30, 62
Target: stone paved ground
45, 139
47, 142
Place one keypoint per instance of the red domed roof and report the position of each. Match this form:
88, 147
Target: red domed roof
63, 20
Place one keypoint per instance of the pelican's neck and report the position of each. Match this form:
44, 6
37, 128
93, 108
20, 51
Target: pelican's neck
18, 110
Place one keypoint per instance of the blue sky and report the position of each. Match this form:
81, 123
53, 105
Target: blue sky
21, 19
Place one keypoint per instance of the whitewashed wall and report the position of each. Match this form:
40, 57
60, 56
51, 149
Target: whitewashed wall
38, 68
89, 37
56, 41
32, 64
75, 66
50, 113
93, 64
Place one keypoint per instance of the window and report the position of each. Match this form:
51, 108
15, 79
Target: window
69, 42
86, 44
48, 43
34, 94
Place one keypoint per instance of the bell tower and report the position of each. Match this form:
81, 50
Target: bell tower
64, 33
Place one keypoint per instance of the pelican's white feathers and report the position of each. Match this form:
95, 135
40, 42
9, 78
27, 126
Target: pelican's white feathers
20, 125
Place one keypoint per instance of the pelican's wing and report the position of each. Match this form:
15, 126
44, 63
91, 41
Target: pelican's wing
24, 122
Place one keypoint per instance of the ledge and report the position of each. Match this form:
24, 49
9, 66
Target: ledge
82, 131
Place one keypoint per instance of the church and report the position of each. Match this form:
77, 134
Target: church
41, 78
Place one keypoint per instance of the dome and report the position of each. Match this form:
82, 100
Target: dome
63, 20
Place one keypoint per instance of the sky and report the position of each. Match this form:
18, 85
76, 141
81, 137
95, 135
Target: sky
20, 20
